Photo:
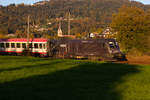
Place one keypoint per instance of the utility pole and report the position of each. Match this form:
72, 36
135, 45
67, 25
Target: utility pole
69, 23
28, 32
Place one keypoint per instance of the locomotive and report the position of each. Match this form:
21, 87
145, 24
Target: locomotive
97, 49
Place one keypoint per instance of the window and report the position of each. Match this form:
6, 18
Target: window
18, 45
30, 45
7, 45
35, 45
24, 45
44, 46
40, 45
112, 45
12, 45
2, 45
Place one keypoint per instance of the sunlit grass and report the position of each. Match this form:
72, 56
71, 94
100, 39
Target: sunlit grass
29, 78
136, 86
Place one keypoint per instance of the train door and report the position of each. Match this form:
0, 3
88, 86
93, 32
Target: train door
38, 49
2, 47
44, 49
62, 50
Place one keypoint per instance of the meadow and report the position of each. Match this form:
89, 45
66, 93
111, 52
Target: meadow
29, 78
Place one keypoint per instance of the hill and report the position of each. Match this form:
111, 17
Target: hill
87, 15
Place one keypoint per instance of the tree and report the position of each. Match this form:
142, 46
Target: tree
78, 35
132, 27
86, 15
19, 34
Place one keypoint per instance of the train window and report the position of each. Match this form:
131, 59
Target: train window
30, 45
24, 45
7, 45
40, 45
35, 45
116, 44
18, 45
44, 46
111, 45
12, 45
2, 45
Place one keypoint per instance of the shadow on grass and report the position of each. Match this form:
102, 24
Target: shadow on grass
50, 64
87, 81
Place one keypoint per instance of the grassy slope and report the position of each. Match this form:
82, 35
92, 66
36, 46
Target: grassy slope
27, 78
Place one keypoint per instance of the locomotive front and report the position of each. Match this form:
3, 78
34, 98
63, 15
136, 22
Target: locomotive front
114, 50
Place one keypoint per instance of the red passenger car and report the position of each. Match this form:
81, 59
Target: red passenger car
37, 46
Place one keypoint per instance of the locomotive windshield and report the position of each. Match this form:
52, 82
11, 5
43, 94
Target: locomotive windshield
113, 45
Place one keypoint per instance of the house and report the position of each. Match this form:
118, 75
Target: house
106, 32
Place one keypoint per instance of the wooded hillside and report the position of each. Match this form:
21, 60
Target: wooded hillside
86, 15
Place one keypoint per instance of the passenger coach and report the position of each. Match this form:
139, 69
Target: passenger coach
17, 46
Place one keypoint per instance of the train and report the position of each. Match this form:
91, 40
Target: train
95, 49
17, 46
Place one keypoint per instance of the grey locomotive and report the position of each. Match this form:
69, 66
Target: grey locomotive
95, 49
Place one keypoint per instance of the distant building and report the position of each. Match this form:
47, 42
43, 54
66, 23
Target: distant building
93, 35
106, 32
49, 23
69, 36
42, 29
60, 33
11, 35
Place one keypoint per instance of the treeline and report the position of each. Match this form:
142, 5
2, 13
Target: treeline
131, 26
86, 15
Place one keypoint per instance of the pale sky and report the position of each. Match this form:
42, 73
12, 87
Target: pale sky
7, 2
144, 1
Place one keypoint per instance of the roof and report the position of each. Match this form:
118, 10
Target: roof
24, 40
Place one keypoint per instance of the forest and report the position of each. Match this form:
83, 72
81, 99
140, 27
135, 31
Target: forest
86, 15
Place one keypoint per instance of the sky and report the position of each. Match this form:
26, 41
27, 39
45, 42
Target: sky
7, 2
144, 1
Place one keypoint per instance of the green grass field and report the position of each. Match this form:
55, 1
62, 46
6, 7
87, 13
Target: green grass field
28, 78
